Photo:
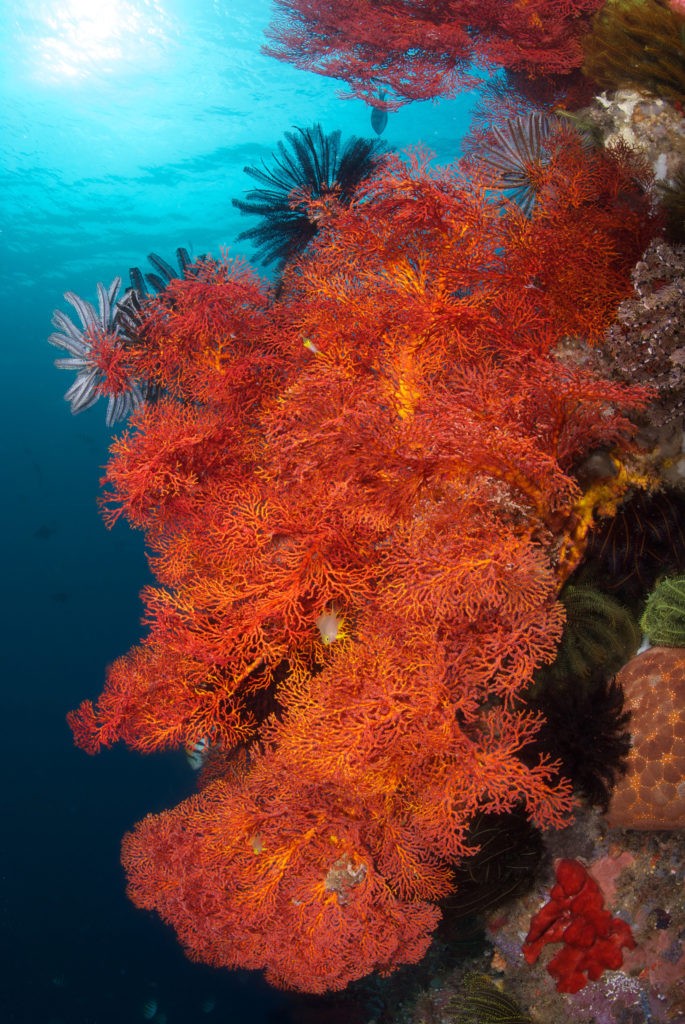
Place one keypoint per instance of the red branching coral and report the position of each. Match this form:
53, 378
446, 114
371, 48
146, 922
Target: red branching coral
263, 870
206, 330
575, 916
390, 444
420, 50
590, 207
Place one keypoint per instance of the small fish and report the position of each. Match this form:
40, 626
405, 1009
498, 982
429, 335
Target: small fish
148, 1009
45, 532
328, 624
256, 843
379, 116
196, 753
379, 120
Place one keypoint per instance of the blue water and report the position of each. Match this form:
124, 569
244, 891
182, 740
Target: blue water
121, 132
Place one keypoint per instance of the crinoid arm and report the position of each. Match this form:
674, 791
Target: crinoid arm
308, 165
96, 354
517, 154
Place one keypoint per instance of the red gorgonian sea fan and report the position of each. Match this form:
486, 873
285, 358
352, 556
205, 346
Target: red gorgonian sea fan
390, 443
419, 50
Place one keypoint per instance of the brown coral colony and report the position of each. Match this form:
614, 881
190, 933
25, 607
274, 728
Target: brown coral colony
652, 794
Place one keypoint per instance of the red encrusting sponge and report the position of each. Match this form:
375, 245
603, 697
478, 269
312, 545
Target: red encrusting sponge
575, 915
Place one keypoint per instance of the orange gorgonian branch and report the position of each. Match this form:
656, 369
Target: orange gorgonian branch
360, 498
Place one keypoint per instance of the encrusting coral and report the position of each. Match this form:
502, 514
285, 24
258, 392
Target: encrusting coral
652, 793
392, 438
648, 124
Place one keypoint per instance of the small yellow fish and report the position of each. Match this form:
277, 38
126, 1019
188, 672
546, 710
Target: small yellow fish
329, 625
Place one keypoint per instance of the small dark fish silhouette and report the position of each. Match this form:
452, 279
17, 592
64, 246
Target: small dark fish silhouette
45, 531
379, 119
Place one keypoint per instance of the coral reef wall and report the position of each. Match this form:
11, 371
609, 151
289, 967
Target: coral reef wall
387, 446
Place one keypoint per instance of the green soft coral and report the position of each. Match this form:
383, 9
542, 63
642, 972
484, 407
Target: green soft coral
663, 620
638, 44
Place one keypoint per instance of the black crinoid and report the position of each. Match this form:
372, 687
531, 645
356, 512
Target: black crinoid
308, 165
586, 727
586, 730
516, 155
146, 284
644, 541
143, 286
510, 851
